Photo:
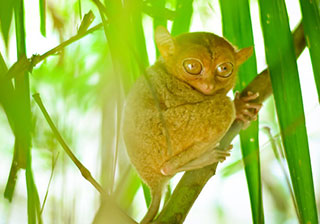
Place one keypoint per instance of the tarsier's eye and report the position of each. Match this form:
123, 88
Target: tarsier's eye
224, 70
192, 66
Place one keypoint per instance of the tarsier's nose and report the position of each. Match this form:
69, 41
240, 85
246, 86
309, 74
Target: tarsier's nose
207, 88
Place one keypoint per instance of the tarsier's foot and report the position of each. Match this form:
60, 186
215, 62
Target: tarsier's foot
246, 111
218, 155
212, 156
225, 153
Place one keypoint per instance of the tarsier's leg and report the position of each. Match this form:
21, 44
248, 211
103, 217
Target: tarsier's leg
171, 166
208, 158
182, 161
246, 110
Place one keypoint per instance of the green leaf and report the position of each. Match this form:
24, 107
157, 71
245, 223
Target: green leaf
137, 29
284, 77
311, 25
7, 101
147, 194
237, 29
139, 43
127, 44
181, 23
6, 10
80, 9
34, 211
157, 10
22, 153
121, 37
127, 189
42, 8
6, 93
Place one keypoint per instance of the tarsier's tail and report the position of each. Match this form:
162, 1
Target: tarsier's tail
154, 207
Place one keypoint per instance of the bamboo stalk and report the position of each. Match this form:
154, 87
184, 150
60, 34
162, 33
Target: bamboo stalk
237, 28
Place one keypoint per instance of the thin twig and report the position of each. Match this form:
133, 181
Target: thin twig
54, 162
114, 212
25, 64
36, 59
278, 153
84, 171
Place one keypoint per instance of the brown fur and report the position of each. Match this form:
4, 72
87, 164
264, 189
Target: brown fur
194, 119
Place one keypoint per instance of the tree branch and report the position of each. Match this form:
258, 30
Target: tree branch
24, 64
192, 182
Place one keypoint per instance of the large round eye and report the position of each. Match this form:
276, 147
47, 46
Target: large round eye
224, 70
192, 66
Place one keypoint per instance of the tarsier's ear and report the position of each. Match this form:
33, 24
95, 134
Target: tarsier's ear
164, 41
243, 54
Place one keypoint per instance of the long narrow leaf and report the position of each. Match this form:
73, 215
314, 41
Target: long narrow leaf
42, 7
6, 10
6, 94
23, 143
34, 211
143, 58
140, 41
125, 34
127, 188
7, 100
115, 34
284, 76
80, 9
311, 24
181, 23
237, 28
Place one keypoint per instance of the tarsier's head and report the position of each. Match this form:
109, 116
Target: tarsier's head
205, 61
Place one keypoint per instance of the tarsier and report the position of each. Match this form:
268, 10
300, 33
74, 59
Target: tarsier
178, 112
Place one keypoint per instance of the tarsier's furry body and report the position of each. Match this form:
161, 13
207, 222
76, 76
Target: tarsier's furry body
176, 115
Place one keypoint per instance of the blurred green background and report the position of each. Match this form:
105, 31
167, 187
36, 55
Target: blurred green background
83, 87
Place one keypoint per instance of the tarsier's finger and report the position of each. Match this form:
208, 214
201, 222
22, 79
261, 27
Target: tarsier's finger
224, 153
245, 120
221, 153
250, 96
221, 159
248, 113
237, 95
256, 106
241, 117
229, 147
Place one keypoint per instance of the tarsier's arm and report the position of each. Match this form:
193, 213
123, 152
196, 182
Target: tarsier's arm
195, 132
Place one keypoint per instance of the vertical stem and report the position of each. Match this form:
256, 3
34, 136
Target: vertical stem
284, 76
23, 128
237, 28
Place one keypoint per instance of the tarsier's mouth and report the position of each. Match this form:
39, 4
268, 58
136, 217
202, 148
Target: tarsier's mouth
208, 93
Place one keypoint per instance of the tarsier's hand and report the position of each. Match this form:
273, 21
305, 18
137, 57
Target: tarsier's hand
246, 111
